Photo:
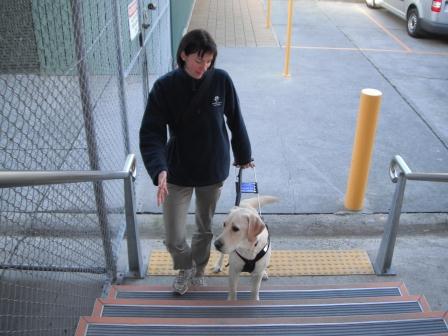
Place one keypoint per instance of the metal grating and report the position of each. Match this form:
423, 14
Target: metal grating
319, 310
384, 328
71, 76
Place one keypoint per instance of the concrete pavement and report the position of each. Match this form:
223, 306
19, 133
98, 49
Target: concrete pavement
234, 23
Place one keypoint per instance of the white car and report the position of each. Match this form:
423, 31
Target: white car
422, 16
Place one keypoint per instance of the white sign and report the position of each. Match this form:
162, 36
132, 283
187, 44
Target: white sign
133, 19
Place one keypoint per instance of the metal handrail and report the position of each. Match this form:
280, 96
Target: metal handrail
399, 173
398, 162
13, 179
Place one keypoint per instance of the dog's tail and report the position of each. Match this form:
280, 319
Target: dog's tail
253, 202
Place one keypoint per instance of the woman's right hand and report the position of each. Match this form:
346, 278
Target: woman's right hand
162, 188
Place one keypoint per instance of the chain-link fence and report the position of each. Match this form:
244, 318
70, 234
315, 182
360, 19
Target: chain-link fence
70, 73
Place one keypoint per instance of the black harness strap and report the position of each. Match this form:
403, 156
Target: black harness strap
249, 265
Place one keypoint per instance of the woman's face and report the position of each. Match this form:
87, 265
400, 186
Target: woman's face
196, 65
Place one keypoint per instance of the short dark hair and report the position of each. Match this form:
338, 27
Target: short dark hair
196, 41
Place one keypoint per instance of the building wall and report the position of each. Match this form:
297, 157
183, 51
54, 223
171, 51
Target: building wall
180, 16
18, 43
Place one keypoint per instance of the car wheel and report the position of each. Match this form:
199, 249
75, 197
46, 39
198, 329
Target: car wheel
414, 24
371, 4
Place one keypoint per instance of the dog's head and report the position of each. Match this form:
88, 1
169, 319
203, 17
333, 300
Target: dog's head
241, 228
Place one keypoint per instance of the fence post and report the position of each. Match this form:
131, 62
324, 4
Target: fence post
362, 148
121, 90
92, 147
144, 55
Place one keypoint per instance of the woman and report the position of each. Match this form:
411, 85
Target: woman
195, 101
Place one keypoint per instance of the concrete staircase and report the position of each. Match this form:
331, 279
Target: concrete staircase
356, 309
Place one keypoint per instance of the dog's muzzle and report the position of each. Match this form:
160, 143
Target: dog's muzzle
218, 244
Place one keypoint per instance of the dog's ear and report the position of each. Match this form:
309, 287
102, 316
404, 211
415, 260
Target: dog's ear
256, 226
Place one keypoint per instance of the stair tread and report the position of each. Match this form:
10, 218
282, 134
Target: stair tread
252, 303
251, 309
392, 324
372, 308
267, 291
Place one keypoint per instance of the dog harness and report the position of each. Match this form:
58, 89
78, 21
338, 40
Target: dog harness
249, 265
249, 187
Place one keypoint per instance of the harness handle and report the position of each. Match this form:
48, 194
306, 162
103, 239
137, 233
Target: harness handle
246, 187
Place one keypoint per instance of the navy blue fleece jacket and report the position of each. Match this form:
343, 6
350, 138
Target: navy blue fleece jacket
196, 149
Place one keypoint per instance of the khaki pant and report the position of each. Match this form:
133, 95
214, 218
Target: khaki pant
175, 210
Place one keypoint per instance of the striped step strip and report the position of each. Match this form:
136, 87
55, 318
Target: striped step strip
267, 293
263, 309
434, 323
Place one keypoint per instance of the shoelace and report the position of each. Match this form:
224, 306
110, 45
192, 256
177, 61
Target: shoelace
181, 276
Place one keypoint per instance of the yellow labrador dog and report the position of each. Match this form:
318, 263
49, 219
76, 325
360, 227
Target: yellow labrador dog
246, 239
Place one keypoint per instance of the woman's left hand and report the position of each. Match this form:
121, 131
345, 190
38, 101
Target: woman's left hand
162, 188
246, 165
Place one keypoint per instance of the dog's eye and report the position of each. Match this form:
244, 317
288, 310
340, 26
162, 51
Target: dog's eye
235, 229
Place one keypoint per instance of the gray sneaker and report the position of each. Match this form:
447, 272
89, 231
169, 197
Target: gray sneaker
182, 281
198, 278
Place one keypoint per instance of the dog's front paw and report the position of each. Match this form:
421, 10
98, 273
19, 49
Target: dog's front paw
231, 296
265, 276
255, 297
218, 265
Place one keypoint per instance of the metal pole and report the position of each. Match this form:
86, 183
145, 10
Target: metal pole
288, 39
132, 232
268, 14
121, 85
12, 179
383, 261
144, 55
362, 148
87, 109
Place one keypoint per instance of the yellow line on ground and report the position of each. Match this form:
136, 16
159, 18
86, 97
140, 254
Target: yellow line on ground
434, 53
350, 49
401, 43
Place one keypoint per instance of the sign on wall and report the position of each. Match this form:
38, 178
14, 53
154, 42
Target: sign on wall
133, 19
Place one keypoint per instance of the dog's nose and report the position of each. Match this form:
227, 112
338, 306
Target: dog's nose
218, 244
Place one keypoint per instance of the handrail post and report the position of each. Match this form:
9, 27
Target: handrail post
132, 233
383, 261
399, 173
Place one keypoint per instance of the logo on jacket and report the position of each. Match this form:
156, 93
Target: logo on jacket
217, 101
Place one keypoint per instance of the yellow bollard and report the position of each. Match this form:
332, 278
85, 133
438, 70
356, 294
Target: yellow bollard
268, 15
362, 148
288, 39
